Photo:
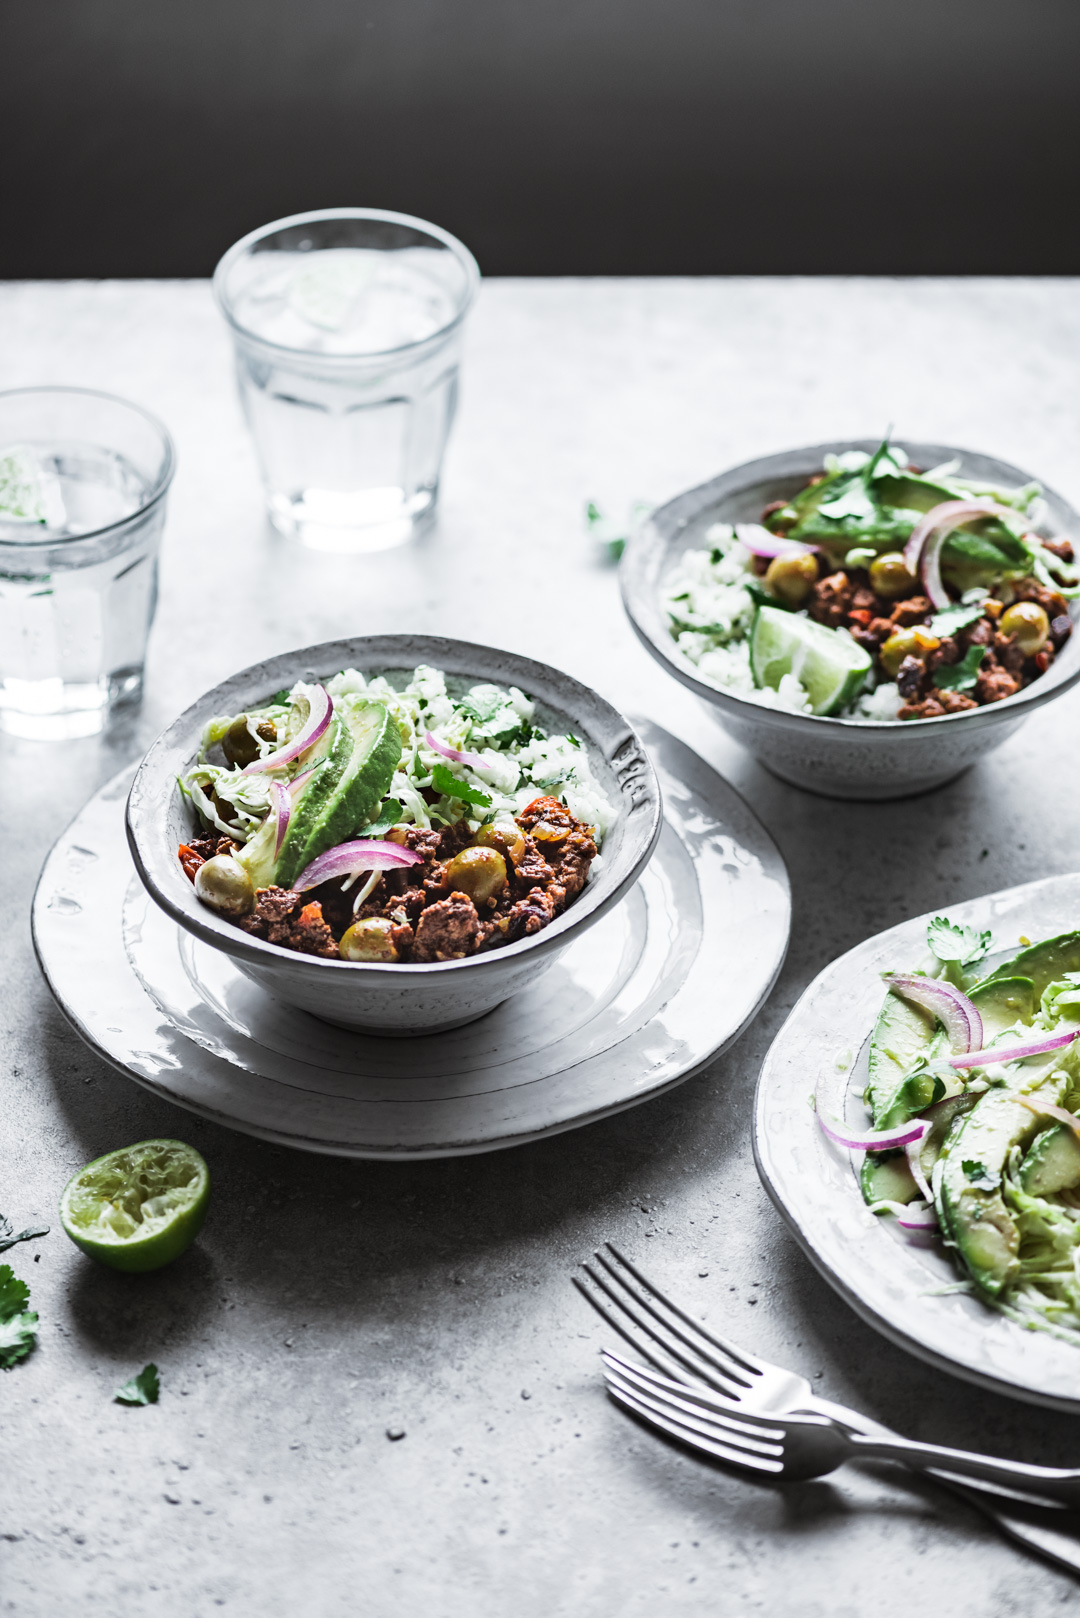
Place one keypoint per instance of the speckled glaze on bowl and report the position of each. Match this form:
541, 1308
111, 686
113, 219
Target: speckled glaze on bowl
840, 758
420, 997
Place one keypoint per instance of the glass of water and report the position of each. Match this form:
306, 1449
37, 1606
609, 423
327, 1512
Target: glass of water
83, 483
347, 324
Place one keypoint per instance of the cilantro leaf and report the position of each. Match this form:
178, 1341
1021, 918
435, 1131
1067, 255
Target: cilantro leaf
17, 1323
611, 535
389, 815
141, 1390
963, 675
8, 1240
981, 1177
451, 787
951, 941
958, 616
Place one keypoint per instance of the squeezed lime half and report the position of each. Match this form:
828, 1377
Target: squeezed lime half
140, 1207
831, 667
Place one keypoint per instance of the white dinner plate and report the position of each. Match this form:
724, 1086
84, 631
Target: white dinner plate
896, 1282
642, 1000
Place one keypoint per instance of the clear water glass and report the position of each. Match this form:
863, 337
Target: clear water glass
83, 484
347, 325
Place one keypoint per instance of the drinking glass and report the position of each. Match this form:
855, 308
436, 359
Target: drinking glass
347, 326
83, 482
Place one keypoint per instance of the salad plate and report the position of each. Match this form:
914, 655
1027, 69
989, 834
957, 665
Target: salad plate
629, 1010
902, 1283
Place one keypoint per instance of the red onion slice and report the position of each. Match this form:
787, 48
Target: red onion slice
1013, 1053
911, 1152
758, 540
1062, 1114
923, 549
471, 760
298, 782
954, 1011
879, 1140
322, 706
917, 1218
365, 854
282, 807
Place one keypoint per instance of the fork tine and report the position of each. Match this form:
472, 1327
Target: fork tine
644, 1347
744, 1360
669, 1339
726, 1429
675, 1429
696, 1402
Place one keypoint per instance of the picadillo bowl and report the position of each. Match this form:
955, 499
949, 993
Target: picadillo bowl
840, 758
408, 998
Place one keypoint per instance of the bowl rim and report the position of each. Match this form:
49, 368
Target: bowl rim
641, 798
647, 554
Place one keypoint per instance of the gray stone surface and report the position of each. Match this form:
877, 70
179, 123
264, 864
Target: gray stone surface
327, 1303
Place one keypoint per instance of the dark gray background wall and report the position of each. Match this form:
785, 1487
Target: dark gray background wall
141, 137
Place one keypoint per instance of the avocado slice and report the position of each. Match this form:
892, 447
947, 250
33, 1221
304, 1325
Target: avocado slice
1052, 1162
1043, 963
350, 785
328, 759
902, 1034
1002, 1002
886, 1177
967, 1185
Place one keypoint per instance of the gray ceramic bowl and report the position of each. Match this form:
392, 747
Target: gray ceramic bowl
410, 998
842, 758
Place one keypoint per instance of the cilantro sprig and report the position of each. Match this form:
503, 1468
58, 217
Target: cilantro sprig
960, 676
28, 1235
142, 1389
18, 1324
450, 787
952, 941
982, 1178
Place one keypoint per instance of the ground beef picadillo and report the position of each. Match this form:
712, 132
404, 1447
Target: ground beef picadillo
844, 599
429, 919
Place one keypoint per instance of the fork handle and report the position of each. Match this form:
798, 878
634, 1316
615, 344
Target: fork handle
1047, 1531
1053, 1483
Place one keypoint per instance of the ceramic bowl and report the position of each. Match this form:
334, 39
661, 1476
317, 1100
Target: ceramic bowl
841, 758
415, 997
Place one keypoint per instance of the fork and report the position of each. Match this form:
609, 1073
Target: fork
798, 1446
678, 1346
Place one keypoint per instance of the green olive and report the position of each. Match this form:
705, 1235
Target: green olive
1029, 623
906, 643
506, 836
479, 872
368, 940
889, 577
792, 576
240, 746
224, 885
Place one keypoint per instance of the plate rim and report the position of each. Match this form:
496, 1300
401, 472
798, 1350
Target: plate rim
811, 1242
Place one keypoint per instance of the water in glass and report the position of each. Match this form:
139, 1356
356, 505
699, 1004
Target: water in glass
77, 593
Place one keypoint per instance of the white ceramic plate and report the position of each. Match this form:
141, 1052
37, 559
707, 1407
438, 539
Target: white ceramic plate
893, 1281
631, 1009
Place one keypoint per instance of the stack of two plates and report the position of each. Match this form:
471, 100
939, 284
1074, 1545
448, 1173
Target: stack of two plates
630, 1009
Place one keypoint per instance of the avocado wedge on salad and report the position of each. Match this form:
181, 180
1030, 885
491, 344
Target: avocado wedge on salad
974, 1093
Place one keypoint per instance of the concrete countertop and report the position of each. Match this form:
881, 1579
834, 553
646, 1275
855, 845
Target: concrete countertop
326, 1301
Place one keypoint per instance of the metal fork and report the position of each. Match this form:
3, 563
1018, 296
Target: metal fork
670, 1339
798, 1446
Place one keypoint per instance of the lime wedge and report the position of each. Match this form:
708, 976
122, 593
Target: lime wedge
25, 492
831, 667
327, 290
140, 1207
